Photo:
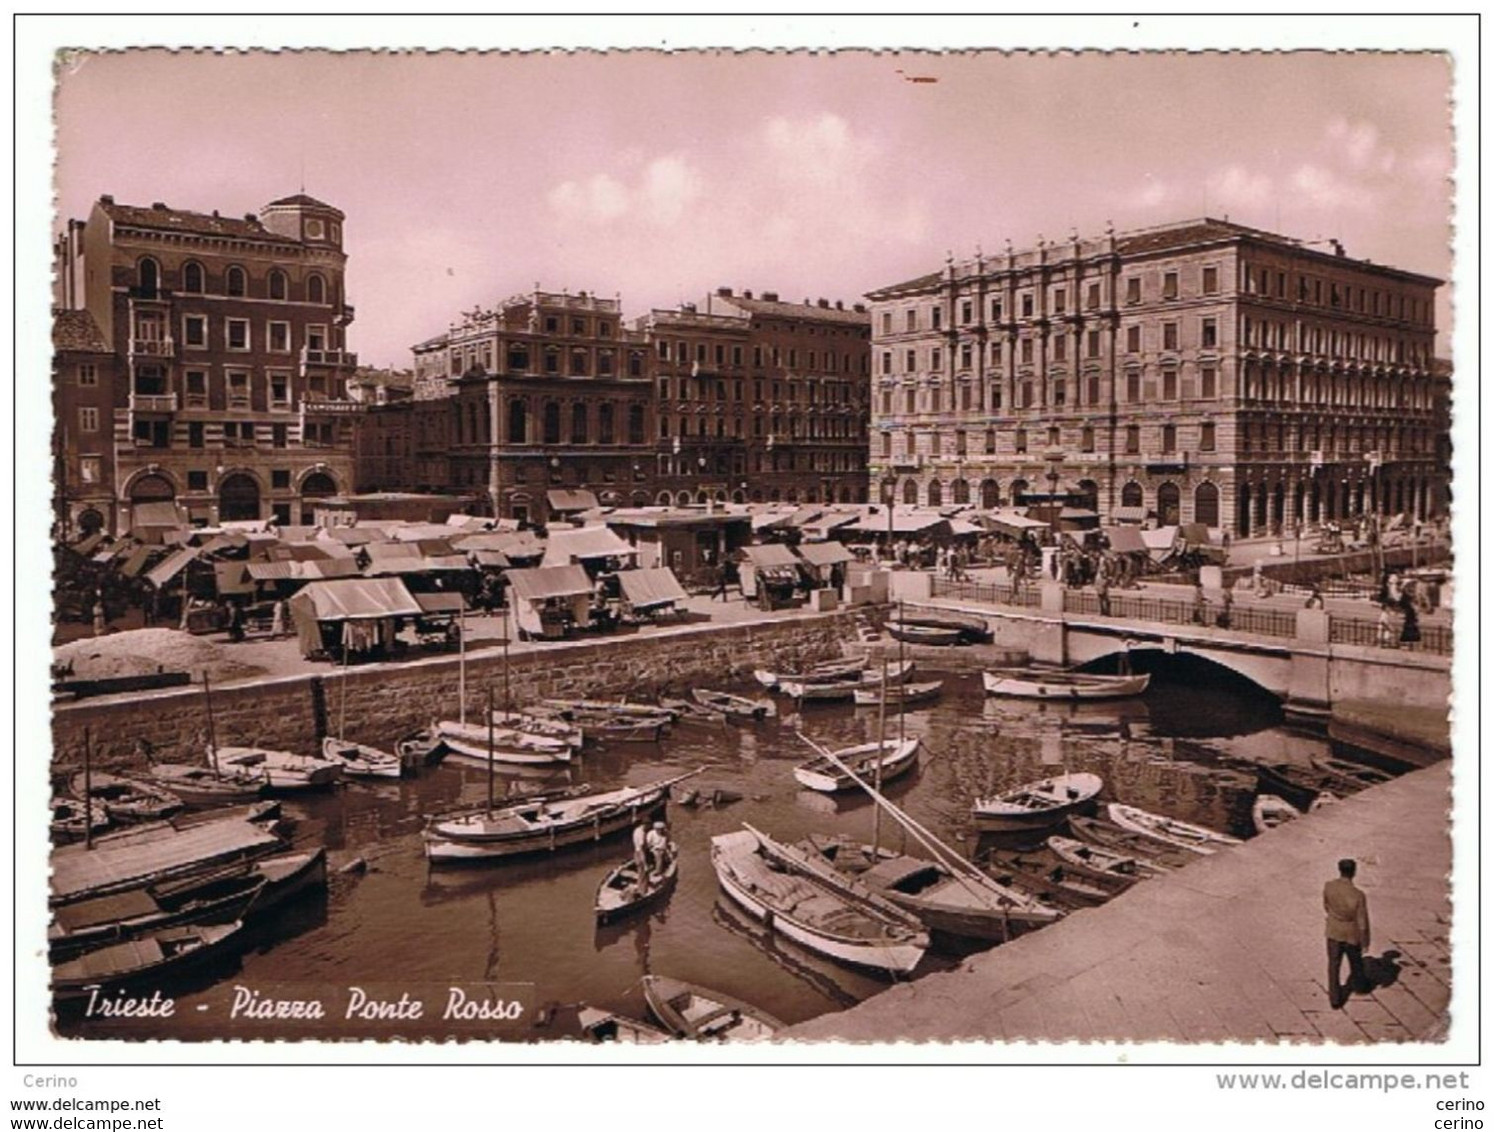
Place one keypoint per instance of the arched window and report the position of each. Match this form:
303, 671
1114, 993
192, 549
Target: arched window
605, 433
959, 491
578, 423
936, 493
277, 284
635, 424
316, 289
664, 499
551, 431
1019, 489
235, 282
1089, 492
1206, 505
1169, 505
193, 280
910, 492
990, 494
518, 422
150, 278
1131, 495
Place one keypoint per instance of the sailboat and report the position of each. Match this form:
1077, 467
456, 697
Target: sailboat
358, 760
210, 785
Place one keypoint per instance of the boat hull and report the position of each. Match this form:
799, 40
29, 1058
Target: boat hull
742, 1022
445, 847
1002, 815
460, 749
1037, 686
899, 694
617, 896
282, 770
122, 965
200, 786
828, 779
361, 761
1169, 831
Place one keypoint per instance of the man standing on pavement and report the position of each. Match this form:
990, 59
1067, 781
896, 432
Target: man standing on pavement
1348, 931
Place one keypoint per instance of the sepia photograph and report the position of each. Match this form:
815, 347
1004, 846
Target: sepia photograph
782, 550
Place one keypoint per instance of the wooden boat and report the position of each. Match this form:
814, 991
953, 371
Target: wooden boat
550, 727
844, 687
1097, 861
420, 748
814, 906
156, 957
74, 820
691, 1011
287, 875
630, 729
921, 692
468, 742
1268, 811
1168, 830
896, 759
1054, 883
358, 760
915, 634
972, 907
204, 786
688, 711
1157, 856
819, 673
1036, 805
265, 813
126, 799
970, 628
282, 770
1351, 776
734, 706
1025, 683
213, 898
605, 708
604, 1026
543, 825
621, 894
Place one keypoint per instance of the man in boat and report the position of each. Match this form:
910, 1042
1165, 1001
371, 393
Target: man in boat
657, 845
1348, 931
640, 854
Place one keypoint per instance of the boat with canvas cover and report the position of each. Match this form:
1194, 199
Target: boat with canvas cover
282, 770
547, 726
822, 774
153, 959
469, 742
691, 1011
1036, 805
1170, 831
1026, 683
125, 799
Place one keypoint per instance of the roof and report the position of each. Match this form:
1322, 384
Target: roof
78, 332
922, 283
765, 556
549, 581
173, 565
356, 599
1183, 235
106, 866
421, 564
182, 220
645, 588
580, 543
440, 603
513, 544
823, 553
905, 521
1125, 540
233, 578
809, 312
1135, 514
568, 499
303, 199
157, 513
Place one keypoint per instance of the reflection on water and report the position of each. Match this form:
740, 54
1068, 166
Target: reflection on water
1180, 750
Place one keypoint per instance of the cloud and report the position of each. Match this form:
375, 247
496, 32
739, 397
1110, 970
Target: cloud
1331, 192
599, 199
1153, 194
669, 187
659, 195
1238, 188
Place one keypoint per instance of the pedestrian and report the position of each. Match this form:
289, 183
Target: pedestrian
720, 592
1348, 931
100, 625
1226, 615
1102, 589
1383, 629
1200, 605
1315, 598
235, 622
1410, 625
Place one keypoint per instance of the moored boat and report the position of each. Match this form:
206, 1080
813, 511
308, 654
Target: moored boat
1170, 831
969, 627
1036, 805
359, 760
1154, 856
914, 634
606, 708
691, 1011
1027, 683
844, 687
282, 770
1268, 811
73, 819
870, 695
897, 758
287, 875
204, 786
838, 918
734, 706
1097, 861
469, 742
212, 898
818, 673
605, 1026
1351, 776
688, 711
625, 889
548, 726
1054, 883
126, 799
153, 957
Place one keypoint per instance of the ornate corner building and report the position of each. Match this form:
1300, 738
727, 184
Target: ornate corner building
201, 362
1197, 372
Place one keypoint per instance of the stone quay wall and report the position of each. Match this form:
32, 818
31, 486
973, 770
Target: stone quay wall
388, 701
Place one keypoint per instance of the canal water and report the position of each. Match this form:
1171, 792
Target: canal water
1184, 749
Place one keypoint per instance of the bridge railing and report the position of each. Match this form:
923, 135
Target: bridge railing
1359, 631
996, 593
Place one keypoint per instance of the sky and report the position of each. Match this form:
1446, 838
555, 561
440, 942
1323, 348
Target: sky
467, 178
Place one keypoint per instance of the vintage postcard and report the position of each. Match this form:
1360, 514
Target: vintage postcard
738, 547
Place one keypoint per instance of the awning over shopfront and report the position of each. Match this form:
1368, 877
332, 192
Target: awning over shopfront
824, 553
440, 603
770, 555
514, 545
1011, 523
583, 544
549, 581
644, 589
174, 563
1159, 543
157, 513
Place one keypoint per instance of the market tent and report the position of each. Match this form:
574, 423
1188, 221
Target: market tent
580, 544
174, 564
1128, 514
1125, 540
770, 555
645, 589
355, 599
824, 553
440, 603
415, 532
511, 544
1011, 523
905, 521
1195, 534
568, 499
233, 578
1159, 543
381, 551
327, 568
88, 544
549, 581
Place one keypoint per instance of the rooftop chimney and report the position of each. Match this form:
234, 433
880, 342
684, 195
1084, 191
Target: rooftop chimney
859, 308
770, 296
106, 199
159, 206
824, 304
746, 294
724, 292
250, 218
840, 306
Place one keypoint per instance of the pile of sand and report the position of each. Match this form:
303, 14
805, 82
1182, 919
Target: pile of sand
140, 652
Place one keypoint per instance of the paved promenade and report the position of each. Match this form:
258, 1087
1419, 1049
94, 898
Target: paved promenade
1229, 949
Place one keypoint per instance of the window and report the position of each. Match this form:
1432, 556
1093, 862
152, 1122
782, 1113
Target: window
578, 423
1169, 385
1133, 289
238, 389
194, 331
316, 289
886, 361
1019, 440
277, 284
1210, 337
279, 390
1206, 436
1092, 344
965, 356
196, 389
1170, 285
279, 435
1133, 385
235, 282
1087, 438
990, 442
88, 374
1092, 297
912, 320
938, 317
1059, 392
960, 442
1133, 439
1169, 336
1133, 339
88, 419
635, 363
967, 311
886, 325
604, 424
192, 279
552, 360
887, 446
1211, 281
1169, 438
1208, 386
1061, 348
936, 359
1060, 300
152, 434
280, 479
995, 310
887, 402
910, 399
1027, 305
635, 425
1027, 351
1027, 398
580, 363
1094, 389
934, 405
238, 333
197, 481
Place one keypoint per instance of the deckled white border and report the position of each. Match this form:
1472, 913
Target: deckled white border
36, 39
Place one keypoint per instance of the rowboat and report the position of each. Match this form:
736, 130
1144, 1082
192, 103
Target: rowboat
1154, 856
1268, 811
543, 825
819, 673
1027, 684
213, 898
282, 770
734, 706
548, 726
607, 708
74, 820
691, 1011
972, 906
604, 1026
1299, 785
358, 760
154, 958
969, 627
844, 687
896, 759
620, 892
204, 786
915, 634
420, 748
1351, 775
688, 711
871, 695
1053, 883
810, 904
287, 875
126, 799
263, 813
1097, 861
1036, 805
468, 742
1168, 830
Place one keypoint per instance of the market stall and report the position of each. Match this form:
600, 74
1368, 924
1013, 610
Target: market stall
550, 600
770, 575
357, 616
650, 593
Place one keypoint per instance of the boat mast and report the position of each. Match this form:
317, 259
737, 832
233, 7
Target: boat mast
508, 701
207, 695
462, 665
490, 750
881, 752
901, 676
87, 789
342, 715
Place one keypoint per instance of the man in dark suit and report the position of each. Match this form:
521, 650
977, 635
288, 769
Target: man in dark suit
1348, 931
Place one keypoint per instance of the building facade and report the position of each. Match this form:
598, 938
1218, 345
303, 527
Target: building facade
1196, 372
228, 341
83, 380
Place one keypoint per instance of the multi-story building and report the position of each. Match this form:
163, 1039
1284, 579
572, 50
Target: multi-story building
83, 379
1196, 372
227, 335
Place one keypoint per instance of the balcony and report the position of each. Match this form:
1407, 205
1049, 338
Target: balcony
152, 402
152, 347
330, 358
